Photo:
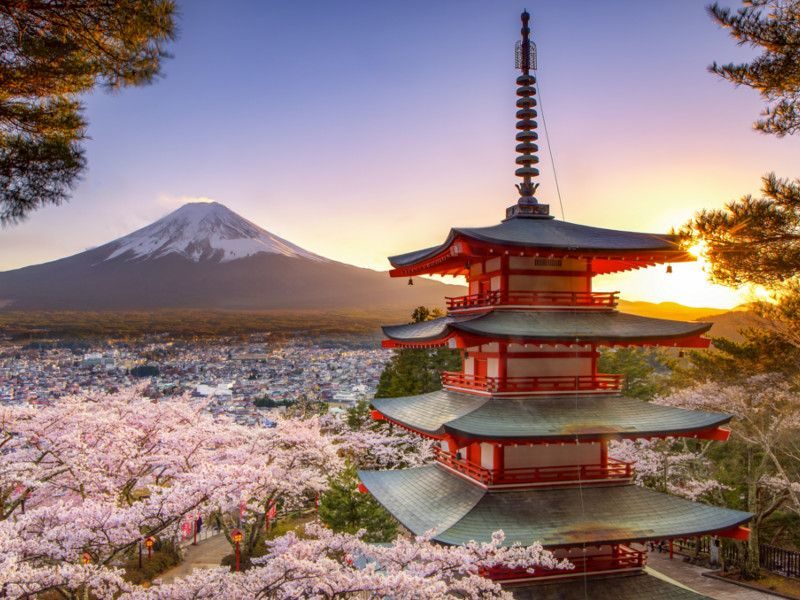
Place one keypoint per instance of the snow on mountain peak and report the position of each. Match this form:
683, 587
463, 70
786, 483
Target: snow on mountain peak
202, 231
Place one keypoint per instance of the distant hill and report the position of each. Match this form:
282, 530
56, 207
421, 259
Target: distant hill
727, 323
205, 256
670, 310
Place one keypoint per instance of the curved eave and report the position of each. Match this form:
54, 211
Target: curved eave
470, 418
458, 511
464, 243
568, 327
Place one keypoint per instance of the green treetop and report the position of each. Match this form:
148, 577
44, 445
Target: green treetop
413, 371
346, 510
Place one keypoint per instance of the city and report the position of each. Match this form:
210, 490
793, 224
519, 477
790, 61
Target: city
233, 374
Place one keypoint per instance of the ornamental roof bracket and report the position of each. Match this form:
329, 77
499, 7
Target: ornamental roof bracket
525, 60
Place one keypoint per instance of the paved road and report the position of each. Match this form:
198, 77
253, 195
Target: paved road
206, 555
691, 576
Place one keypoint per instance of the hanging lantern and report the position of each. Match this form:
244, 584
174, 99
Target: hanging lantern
669, 269
410, 281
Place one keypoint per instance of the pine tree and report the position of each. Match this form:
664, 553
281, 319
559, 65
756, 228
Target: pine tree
646, 370
772, 26
346, 510
52, 52
752, 240
413, 371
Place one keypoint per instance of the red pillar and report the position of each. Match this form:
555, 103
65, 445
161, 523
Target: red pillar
498, 459
504, 278
604, 453
502, 363
589, 275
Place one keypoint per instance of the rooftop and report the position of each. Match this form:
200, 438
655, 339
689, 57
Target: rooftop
569, 326
433, 498
542, 417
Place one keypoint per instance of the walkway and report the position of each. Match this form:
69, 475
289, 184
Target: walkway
206, 555
692, 577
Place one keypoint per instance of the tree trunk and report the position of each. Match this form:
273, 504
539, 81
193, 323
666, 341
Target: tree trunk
751, 568
750, 564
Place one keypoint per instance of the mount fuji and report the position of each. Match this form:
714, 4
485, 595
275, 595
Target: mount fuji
203, 255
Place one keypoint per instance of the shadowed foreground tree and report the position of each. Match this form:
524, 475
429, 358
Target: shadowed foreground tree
753, 240
52, 51
772, 26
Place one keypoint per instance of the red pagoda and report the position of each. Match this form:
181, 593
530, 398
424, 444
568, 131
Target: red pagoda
523, 428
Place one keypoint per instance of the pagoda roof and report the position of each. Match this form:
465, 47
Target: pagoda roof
552, 235
458, 511
554, 418
609, 587
548, 325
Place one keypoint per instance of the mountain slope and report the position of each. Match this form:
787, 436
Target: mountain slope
206, 256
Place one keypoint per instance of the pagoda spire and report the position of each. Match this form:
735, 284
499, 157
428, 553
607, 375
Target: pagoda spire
527, 205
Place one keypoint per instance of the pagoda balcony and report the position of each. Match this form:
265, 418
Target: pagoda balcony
517, 477
458, 381
620, 558
606, 300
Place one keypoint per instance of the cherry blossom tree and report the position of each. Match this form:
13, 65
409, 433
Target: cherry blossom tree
766, 426
88, 478
671, 466
328, 565
379, 445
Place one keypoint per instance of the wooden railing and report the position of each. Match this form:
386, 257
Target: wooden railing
782, 561
620, 557
615, 469
545, 383
558, 299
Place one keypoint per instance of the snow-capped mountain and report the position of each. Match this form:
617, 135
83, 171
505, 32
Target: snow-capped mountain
204, 255
203, 231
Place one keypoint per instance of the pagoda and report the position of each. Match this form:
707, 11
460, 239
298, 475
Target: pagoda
522, 430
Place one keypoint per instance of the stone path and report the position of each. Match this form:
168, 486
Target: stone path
206, 555
692, 577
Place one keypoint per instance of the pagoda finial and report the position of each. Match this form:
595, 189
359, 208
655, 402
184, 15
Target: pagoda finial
527, 205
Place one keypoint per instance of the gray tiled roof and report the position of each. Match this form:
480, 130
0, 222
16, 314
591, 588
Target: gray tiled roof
640, 586
542, 417
578, 326
551, 234
431, 497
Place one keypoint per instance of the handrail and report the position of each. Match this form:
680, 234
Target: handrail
615, 469
598, 381
530, 298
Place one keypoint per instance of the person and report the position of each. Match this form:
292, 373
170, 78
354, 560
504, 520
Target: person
713, 551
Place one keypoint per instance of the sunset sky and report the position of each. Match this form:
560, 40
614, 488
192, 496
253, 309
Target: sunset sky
363, 129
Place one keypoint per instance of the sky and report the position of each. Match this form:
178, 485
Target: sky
362, 129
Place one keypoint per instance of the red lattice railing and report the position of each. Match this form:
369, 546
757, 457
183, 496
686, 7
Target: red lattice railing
615, 469
557, 299
547, 383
